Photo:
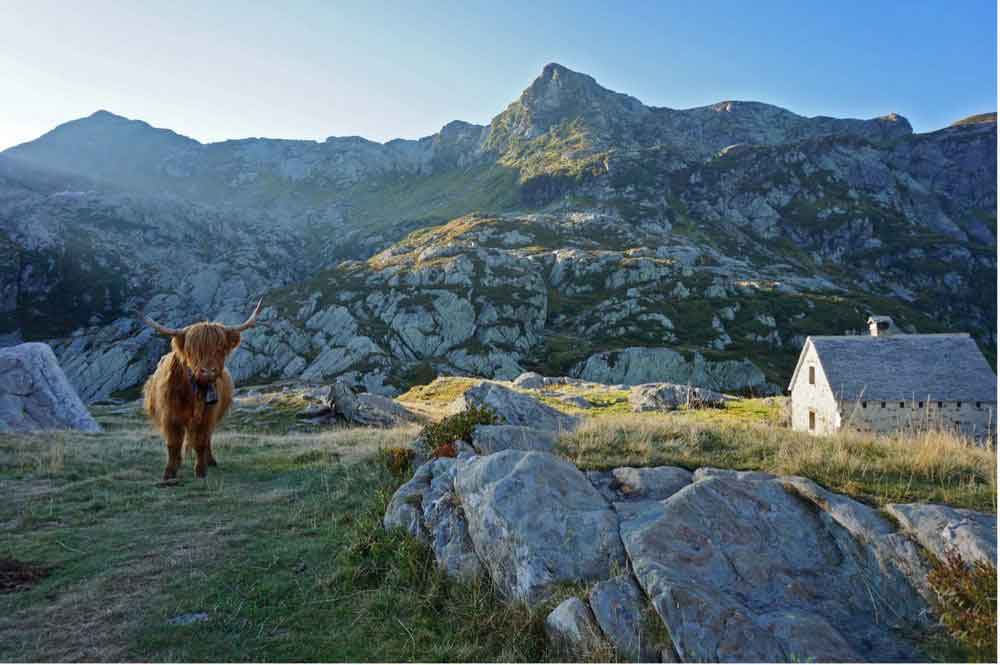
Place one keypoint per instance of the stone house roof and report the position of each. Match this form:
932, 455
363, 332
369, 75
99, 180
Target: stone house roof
946, 367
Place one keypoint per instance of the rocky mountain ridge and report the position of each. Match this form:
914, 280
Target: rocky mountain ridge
579, 222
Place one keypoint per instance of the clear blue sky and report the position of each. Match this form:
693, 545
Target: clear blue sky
217, 70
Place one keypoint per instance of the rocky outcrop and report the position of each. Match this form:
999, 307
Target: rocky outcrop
635, 366
737, 566
35, 394
670, 396
106, 215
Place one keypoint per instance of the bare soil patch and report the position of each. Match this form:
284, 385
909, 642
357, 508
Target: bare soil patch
20, 575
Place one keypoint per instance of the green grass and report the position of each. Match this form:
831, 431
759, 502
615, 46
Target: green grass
282, 548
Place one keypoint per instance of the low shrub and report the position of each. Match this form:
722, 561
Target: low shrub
456, 428
967, 603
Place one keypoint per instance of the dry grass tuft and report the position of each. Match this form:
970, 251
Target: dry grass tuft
930, 466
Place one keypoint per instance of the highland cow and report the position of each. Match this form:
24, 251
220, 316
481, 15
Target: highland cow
191, 390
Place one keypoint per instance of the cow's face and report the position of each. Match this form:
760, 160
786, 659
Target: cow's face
204, 347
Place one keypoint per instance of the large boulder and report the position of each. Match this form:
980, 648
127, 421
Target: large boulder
745, 570
942, 528
672, 396
366, 409
35, 394
536, 521
514, 408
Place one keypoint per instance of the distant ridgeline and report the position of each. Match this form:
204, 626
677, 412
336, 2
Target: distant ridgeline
579, 228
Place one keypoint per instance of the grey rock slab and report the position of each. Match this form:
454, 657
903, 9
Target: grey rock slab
488, 439
941, 528
744, 570
35, 393
572, 628
514, 408
535, 522
617, 605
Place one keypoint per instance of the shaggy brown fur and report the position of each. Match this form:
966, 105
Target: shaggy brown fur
174, 395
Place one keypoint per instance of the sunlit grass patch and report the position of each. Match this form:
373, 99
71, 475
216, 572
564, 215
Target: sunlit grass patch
931, 466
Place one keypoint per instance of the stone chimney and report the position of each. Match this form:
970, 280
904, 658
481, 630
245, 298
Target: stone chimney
882, 326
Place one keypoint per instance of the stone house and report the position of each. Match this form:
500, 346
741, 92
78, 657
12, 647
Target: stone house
887, 380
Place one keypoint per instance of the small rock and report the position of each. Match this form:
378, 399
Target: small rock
530, 381
571, 625
617, 605
941, 528
188, 619
366, 409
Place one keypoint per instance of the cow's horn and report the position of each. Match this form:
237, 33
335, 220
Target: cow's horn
249, 323
159, 327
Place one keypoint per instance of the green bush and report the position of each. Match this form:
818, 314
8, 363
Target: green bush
457, 427
967, 603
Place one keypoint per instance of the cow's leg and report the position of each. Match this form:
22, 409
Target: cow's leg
210, 458
174, 436
199, 441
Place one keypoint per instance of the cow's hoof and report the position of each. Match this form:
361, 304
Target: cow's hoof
168, 482
200, 473
212, 462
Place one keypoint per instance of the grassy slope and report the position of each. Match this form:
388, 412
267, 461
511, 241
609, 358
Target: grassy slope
282, 546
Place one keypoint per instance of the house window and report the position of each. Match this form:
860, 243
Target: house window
979, 405
812, 375
812, 420
902, 405
958, 405
920, 405
883, 405
864, 405
940, 405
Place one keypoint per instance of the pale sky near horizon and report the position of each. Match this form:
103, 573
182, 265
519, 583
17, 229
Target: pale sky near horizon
382, 70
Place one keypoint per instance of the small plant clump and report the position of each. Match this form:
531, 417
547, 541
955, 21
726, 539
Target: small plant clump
967, 603
454, 428
398, 459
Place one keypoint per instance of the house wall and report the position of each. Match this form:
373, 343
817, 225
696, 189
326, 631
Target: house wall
818, 398
973, 418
